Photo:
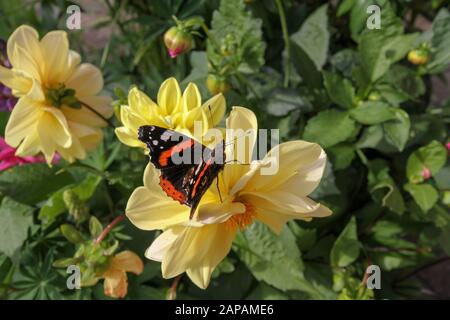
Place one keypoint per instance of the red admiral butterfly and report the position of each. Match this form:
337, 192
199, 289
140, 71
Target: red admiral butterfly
184, 181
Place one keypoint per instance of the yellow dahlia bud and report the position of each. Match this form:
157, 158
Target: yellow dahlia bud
217, 84
419, 56
177, 41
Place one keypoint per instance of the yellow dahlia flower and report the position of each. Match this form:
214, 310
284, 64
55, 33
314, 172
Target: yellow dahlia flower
59, 109
173, 110
198, 246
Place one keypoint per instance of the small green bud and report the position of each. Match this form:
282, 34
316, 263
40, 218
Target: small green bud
71, 234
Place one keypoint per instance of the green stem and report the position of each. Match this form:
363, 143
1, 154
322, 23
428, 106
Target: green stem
209, 36
98, 114
362, 157
287, 45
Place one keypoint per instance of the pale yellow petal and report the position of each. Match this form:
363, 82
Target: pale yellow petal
209, 213
22, 121
242, 129
159, 246
169, 96
86, 80
55, 49
57, 127
30, 146
150, 208
128, 261
300, 167
16, 80
197, 248
24, 51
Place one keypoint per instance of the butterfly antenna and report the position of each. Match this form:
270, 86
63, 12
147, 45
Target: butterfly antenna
217, 180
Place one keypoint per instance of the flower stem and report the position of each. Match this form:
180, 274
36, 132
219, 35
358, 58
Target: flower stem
172, 294
98, 114
108, 228
287, 44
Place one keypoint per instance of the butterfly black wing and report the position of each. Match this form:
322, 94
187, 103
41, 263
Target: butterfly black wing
187, 167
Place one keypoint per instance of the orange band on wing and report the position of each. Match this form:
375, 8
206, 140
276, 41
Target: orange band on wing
194, 190
164, 157
171, 191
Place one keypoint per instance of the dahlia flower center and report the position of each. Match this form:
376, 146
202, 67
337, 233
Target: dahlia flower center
60, 95
242, 220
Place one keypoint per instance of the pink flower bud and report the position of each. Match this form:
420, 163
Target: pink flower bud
426, 173
177, 41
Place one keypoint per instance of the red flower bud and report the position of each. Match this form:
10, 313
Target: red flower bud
177, 41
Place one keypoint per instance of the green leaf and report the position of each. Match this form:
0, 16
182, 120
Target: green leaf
346, 248
341, 155
383, 188
265, 292
329, 128
432, 156
32, 183
313, 36
380, 48
273, 259
339, 90
424, 194
440, 43
55, 204
15, 219
282, 101
397, 131
373, 112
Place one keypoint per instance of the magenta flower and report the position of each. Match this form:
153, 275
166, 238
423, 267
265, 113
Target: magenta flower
7, 100
8, 158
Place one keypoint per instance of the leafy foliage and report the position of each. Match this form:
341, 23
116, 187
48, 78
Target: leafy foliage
322, 77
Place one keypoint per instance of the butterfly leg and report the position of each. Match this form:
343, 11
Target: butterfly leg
218, 189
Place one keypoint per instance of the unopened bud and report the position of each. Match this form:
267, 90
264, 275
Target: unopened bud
419, 56
426, 173
217, 84
177, 41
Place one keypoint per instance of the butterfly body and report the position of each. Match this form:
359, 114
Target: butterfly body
188, 168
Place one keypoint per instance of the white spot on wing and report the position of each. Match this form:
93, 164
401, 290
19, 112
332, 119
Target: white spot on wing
166, 135
155, 142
